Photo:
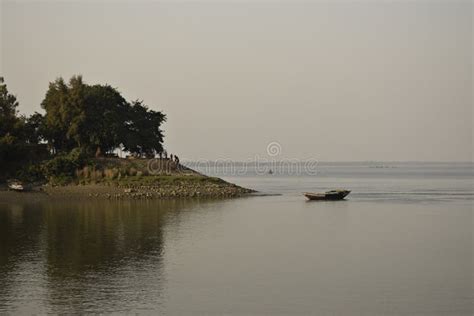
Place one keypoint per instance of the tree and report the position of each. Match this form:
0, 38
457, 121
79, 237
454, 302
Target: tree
103, 125
9, 121
34, 129
98, 119
58, 117
19, 136
80, 121
144, 135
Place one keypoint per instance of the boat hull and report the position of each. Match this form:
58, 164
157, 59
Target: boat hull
328, 196
16, 186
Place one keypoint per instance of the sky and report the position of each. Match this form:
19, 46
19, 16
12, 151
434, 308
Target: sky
332, 81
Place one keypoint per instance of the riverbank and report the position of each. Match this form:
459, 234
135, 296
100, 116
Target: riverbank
153, 187
133, 179
170, 188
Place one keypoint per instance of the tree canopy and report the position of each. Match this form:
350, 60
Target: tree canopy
19, 136
10, 123
98, 119
79, 118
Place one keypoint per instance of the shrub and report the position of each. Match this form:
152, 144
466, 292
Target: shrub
86, 172
63, 167
111, 173
96, 175
132, 171
79, 173
31, 172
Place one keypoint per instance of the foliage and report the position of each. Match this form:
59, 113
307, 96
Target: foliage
64, 166
19, 136
143, 133
31, 173
80, 121
9, 121
98, 119
104, 119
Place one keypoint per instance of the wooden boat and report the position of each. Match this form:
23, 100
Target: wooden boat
16, 186
332, 195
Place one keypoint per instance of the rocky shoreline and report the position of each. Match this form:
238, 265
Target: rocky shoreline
114, 178
162, 191
194, 187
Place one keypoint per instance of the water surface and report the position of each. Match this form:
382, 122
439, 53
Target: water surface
401, 244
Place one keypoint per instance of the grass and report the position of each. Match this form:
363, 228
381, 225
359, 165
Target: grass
168, 180
135, 172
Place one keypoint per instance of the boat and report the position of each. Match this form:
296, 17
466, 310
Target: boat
16, 186
332, 195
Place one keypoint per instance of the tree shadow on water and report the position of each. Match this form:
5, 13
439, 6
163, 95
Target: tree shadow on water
94, 256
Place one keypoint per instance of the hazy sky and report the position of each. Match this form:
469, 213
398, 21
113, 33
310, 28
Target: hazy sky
336, 80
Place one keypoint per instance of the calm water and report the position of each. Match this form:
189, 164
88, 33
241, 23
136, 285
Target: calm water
401, 244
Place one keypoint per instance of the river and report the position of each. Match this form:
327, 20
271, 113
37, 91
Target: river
401, 244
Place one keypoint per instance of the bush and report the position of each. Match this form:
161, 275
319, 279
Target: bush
111, 173
86, 173
96, 175
63, 167
31, 173
16, 158
132, 171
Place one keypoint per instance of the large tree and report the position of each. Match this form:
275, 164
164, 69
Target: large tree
103, 126
59, 115
19, 136
98, 119
143, 133
10, 123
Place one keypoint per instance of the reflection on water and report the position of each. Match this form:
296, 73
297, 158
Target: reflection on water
63, 254
387, 250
